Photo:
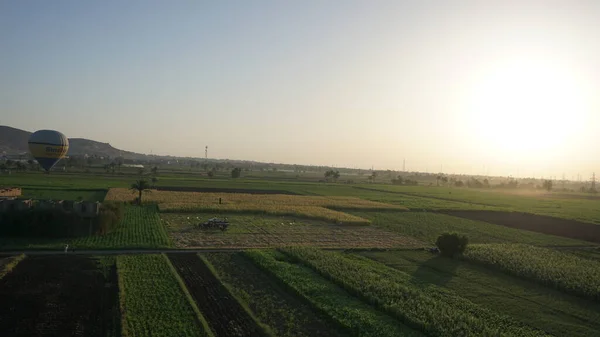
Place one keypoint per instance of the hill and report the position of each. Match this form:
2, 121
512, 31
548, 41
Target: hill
14, 141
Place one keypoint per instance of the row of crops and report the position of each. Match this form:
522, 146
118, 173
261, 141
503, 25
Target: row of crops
563, 271
152, 301
426, 308
351, 314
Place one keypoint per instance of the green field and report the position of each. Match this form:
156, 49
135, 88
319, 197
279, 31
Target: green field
152, 302
298, 274
533, 304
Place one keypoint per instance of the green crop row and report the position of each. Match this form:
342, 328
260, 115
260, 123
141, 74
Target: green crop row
560, 270
427, 308
152, 301
352, 315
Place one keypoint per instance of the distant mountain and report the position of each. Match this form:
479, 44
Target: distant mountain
14, 141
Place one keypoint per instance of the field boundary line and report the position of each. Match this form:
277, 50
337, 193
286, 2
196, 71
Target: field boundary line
188, 296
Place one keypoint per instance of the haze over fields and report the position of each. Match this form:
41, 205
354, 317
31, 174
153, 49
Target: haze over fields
495, 87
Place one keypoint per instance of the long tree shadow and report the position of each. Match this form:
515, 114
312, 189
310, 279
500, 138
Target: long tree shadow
437, 270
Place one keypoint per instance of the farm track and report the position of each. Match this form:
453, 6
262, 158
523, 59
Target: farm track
58, 296
224, 314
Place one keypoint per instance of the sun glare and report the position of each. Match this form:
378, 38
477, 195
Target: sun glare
526, 108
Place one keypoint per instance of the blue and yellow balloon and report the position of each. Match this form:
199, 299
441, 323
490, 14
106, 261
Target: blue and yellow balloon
48, 147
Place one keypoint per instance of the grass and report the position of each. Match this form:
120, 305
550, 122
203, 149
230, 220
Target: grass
533, 304
64, 194
427, 226
353, 316
140, 227
563, 271
429, 309
152, 302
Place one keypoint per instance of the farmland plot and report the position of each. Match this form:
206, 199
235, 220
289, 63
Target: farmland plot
563, 271
352, 316
224, 314
431, 310
153, 303
285, 313
314, 207
59, 296
246, 231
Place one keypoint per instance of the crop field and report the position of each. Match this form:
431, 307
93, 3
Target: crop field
574, 207
315, 207
283, 312
141, 227
553, 311
152, 302
307, 259
224, 314
43, 296
563, 271
64, 194
430, 309
351, 315
427, 226
250, 231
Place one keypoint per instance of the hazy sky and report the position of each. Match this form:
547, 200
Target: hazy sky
509, 87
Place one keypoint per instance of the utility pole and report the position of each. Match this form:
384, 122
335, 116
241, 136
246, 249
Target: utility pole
206, 152
404, 165
593, 181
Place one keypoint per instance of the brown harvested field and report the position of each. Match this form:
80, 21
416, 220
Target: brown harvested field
59, 296
312, 207
224, 313
247, 231
535, 223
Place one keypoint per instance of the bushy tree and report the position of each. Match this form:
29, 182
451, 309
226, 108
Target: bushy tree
236, 172
451, 244
547, 185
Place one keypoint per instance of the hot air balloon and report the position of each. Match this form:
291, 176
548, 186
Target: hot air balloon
48, 147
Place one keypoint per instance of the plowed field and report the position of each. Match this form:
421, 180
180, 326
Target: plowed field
224, 314
59, 296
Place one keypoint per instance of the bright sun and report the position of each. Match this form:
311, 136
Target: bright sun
526, 108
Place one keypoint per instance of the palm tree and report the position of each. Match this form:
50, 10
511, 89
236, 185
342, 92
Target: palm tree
140, 186
154, 180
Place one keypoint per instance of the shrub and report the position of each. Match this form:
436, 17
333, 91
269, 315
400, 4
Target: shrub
451, 244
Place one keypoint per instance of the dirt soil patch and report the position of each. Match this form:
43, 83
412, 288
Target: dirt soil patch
59, 296
224, 314
535, 223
